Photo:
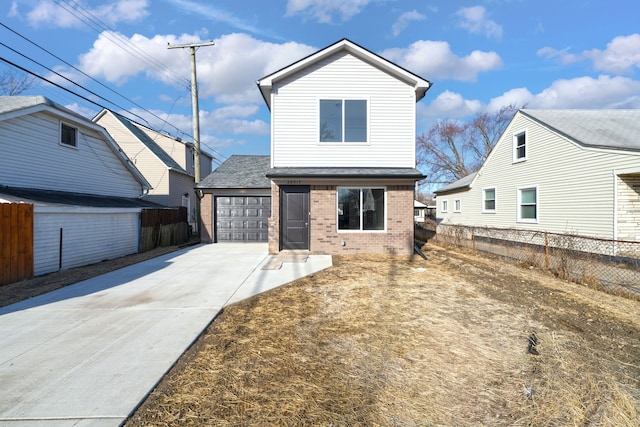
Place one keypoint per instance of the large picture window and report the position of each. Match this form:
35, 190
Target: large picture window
361, 209
343, 120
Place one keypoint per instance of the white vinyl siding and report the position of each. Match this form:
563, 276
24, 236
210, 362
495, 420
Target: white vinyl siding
295, 116
32, 143
89, 235
578, 184
628, 207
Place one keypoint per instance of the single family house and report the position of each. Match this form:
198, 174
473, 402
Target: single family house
342, 168
559, 171
87, 195
165, 161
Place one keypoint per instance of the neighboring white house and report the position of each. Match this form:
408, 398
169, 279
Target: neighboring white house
166, 162
342, 169
560, 171
86, 193
419, 211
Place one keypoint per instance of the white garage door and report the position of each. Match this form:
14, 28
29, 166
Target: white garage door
242, 218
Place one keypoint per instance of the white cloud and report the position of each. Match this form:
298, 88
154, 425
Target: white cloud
580, 92
435, 60
475, 19
227, 71
405, 19
621, 55
46, 12
451, 105
323, 10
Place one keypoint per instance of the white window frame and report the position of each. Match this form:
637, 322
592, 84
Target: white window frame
517, 159
457, 205
360, 187
444, 206
340, 98
76, 135
537, 204
495, 200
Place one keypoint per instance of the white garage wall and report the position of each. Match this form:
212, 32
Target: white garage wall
89, 235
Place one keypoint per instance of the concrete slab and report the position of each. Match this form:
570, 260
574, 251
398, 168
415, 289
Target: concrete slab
88, 354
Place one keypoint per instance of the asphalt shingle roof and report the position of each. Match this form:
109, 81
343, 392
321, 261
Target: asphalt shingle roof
63, 198
616, 129
240, 171
463, 182
410, 173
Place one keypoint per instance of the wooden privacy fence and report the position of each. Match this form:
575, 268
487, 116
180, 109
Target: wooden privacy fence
16, 242
163, 227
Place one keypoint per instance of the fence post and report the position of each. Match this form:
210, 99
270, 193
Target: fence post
473, 238
546, 250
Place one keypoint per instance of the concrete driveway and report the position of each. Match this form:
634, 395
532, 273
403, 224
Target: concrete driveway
88, 354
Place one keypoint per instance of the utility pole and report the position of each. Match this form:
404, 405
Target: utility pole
194, 102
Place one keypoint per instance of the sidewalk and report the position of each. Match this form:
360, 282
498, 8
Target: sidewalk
89, 353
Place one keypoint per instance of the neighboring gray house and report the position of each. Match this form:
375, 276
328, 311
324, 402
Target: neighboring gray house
84, 189
561, 171
166, 162
236, 203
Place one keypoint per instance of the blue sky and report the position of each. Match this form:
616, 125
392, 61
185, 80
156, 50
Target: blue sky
479, 55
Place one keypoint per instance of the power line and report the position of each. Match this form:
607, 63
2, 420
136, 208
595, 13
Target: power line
88, 18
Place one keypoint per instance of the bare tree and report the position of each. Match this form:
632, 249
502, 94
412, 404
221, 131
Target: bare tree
13, 83
451, 150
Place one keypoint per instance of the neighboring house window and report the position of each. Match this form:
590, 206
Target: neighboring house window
528, 204
444, 206
361, 209
343, 120
457, 205
489, 200
520, 147
68, 135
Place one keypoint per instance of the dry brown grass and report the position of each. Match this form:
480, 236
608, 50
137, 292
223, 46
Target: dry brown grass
382, 340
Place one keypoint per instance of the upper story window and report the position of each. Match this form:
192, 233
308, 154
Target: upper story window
489, 200
520, 147
68, 135
343, 120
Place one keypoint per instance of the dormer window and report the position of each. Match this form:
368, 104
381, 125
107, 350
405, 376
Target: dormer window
68, 135
343, 120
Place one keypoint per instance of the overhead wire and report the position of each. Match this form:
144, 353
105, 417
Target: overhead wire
96, 24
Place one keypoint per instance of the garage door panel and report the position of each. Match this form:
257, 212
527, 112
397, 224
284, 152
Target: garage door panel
242, 218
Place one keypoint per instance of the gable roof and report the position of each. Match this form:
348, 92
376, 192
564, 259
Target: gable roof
240, 171
345, 45
146, 140
614, 129
16, 106
604, 129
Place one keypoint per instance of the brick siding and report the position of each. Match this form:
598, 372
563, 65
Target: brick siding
325, 238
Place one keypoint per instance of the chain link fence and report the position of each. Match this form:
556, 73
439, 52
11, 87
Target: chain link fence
613, 265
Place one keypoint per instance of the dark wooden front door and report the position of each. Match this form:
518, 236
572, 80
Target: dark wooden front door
294, 217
